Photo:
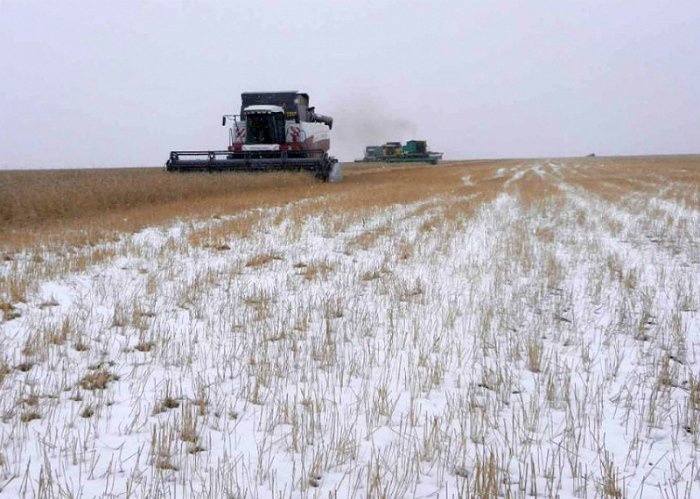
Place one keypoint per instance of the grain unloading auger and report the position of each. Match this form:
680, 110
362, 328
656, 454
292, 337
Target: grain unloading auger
274, 131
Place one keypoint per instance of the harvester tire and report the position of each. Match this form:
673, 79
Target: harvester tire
335, 174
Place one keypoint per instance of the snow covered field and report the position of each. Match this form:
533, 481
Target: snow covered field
533, 332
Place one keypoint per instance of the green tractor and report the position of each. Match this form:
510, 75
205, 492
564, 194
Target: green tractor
414, 151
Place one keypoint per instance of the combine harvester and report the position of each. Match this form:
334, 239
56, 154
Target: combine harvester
415, 151
274, 131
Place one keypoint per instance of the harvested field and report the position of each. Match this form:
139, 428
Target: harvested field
516, 328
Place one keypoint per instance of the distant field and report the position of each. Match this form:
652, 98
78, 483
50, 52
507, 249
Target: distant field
73, 198
515, 328
55, 205
100, 198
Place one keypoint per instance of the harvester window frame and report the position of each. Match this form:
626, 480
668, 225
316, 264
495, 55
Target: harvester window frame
272, 130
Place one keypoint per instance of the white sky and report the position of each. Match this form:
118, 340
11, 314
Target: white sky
120, 83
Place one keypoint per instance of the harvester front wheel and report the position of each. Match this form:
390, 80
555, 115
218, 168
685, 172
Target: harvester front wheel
335, 174
330, 170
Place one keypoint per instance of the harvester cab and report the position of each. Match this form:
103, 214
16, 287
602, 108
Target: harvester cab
264, 125
274, 131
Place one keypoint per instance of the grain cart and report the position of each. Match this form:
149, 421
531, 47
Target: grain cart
274, 131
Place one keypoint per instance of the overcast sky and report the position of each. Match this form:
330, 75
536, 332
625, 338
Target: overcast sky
97, 83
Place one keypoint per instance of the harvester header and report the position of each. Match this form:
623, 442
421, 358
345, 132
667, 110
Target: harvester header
274, 131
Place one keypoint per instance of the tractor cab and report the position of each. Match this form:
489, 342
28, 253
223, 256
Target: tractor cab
391, 149
265, 124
